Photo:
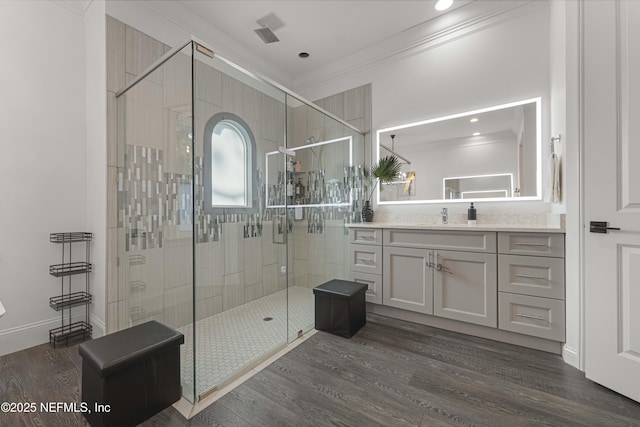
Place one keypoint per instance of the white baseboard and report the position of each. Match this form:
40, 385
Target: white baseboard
36, 333
99, 327
570, 356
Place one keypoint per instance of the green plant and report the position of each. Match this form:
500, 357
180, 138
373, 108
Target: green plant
386, 170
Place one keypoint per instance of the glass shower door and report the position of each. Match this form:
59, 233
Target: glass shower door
155, 203
325, 176
240, 235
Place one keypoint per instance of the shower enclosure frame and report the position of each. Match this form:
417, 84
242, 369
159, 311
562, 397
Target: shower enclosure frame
198, 47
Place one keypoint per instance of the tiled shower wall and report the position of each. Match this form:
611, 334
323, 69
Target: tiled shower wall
236, 257
321, 257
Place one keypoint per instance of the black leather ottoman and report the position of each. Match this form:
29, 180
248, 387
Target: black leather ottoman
340, 307
130, 375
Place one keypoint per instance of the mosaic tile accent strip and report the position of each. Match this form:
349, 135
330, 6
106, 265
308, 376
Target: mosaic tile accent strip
150, 200
141, 194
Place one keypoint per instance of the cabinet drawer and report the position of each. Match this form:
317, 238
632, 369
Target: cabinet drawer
529, 275
365, 236
366, 259
539, 317
542, 244
475, 241
374, 285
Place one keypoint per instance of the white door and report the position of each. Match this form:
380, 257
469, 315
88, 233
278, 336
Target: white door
612, 193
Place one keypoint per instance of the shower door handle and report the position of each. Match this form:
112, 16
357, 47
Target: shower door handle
279, 224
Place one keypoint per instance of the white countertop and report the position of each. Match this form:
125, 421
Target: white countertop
528, 228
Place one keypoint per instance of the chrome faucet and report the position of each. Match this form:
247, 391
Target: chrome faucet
445, 215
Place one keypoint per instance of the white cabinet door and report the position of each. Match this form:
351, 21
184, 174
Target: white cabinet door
612, 193
466, 287
407, 279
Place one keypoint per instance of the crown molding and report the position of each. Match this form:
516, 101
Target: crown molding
183, 17
79, 7
458, 23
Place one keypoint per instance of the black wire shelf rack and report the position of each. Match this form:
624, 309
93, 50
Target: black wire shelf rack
70, 237
73, 328
69, 269
61, 302
69, 334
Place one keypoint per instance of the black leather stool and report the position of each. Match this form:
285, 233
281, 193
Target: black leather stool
340, 307
130, 375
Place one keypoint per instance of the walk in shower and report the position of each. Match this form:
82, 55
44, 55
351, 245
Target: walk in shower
233, 196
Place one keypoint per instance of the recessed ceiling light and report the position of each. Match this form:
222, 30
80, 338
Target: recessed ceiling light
476, 133
443, 4
475, 119
303, 54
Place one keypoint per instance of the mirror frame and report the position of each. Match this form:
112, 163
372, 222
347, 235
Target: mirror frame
538, 196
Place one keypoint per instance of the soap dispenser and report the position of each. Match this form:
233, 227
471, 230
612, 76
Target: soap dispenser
471, 215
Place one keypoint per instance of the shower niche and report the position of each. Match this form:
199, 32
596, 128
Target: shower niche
230, 255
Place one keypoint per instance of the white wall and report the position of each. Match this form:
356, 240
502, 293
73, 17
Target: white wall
43, 161
565, 122
96, 145
499, 63
150, 18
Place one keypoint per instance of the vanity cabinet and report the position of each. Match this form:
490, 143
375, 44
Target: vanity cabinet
421, 273
531, 279
507, 281
365, 261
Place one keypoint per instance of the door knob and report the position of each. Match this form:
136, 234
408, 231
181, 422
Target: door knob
601, 227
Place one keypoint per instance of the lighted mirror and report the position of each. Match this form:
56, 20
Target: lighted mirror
489, 154
479, 186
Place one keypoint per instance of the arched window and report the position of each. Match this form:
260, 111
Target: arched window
230, 165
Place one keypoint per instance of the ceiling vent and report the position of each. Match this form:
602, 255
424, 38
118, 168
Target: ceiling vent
268, 24
266, 35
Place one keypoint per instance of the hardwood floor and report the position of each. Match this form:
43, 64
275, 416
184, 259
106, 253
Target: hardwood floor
392, 373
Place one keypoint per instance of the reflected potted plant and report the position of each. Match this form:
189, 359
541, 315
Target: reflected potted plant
386, 170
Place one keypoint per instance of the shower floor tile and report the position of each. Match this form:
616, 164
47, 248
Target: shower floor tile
232, 341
